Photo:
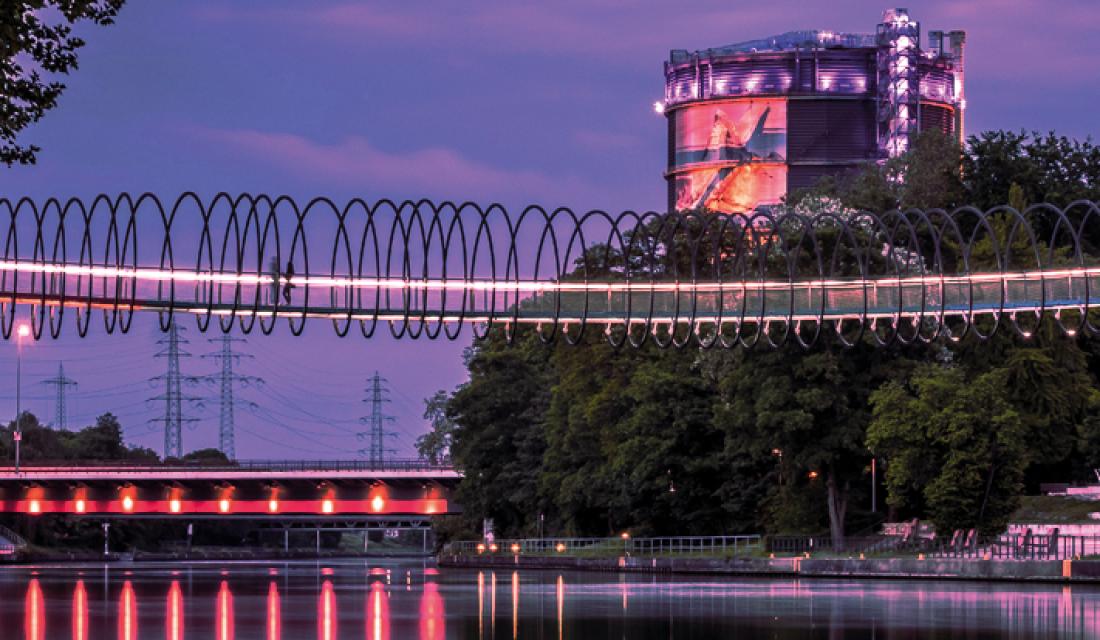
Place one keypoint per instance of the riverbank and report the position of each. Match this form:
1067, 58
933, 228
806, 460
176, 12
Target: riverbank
42, 555
800, 567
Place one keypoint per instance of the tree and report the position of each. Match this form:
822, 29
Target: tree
207, 456
667, 451
39, 442
435, 446
811, 409
955, 441
31, 46
928, 176
1049, 168
586, 402
100, 442
498, 439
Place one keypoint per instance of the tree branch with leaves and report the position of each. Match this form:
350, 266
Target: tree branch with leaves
37, 44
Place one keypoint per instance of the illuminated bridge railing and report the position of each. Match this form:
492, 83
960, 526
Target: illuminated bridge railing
429, 270
319, 467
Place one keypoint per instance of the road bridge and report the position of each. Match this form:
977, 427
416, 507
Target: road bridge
295, 491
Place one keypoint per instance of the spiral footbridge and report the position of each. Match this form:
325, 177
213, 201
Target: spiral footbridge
434, 270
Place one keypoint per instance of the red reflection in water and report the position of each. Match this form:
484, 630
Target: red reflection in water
431, 613
223, 617
515, 605
174, 628
378, 612
127, 613
561, 607
326, 612
480, 604
34, 615
274, 613
80, 612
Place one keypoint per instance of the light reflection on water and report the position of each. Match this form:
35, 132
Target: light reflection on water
80, 612
274, 613
354, 599
127, 613
174, 613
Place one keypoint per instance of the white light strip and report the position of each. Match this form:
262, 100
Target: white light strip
533, 286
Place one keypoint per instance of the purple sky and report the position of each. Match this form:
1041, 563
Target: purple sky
507, 101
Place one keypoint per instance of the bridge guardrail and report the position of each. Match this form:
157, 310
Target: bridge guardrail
1003, 547
655, 546
239, 465
1021, 546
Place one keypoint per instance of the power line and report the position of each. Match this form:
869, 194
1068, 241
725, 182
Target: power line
61, 385
289, 446
273, 418
226, 380
296, 431
292, 406
270, 414
276, 374
173, 394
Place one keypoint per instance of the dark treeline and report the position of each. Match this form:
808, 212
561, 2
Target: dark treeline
101, 442
590, 440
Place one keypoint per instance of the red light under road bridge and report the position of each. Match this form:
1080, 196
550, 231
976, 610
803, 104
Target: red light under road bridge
81, 495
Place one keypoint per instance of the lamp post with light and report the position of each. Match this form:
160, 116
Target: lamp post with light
21, 332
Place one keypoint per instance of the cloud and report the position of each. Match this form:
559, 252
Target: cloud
610, 29
433, 172
359, 20
605, 141
617, 31
1004, 43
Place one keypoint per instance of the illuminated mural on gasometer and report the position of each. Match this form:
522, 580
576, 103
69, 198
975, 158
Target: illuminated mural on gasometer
730, 156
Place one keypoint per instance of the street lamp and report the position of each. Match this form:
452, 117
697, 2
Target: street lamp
21, 332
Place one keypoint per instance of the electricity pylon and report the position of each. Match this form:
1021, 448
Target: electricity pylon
227, 379
61, 385
173, 396
376, 420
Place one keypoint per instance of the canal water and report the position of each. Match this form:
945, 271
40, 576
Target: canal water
395, 599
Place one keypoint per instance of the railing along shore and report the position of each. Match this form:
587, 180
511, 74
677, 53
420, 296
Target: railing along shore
1003, 547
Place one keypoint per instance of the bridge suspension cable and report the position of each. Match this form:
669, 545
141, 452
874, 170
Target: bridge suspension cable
426, 270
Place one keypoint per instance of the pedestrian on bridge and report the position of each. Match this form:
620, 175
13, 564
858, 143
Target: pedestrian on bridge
288, 285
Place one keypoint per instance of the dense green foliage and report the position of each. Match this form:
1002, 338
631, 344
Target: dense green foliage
36, 38
957, 443
590, 440
101, 441
435, 445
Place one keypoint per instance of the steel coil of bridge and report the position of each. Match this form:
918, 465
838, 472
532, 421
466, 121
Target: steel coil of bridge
426, 270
